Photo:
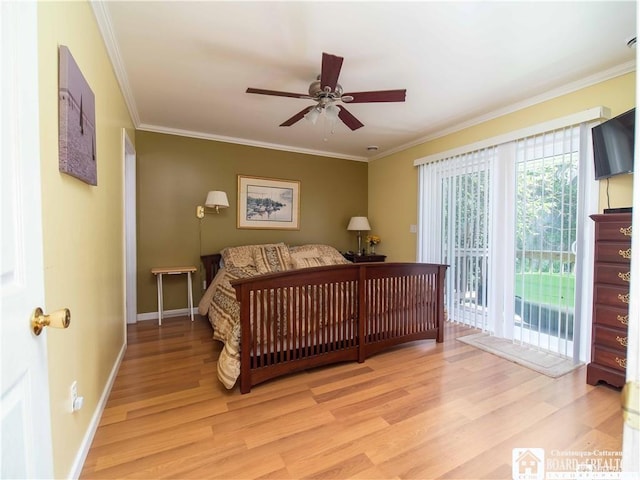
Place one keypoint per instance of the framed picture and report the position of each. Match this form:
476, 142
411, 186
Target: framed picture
77, 122
268, 203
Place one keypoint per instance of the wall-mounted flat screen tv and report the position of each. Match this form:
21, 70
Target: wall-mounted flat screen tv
613, 145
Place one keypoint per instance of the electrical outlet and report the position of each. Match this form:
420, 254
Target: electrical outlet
413, 229
204, 284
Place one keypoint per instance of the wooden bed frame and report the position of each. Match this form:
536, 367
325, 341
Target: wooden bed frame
323, 315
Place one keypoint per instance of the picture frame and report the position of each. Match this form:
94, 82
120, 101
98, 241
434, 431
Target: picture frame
268, 203
77, 121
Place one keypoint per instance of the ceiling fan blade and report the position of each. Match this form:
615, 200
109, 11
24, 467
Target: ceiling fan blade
277, 94
331, 65
298, 116
377, 96
348, 119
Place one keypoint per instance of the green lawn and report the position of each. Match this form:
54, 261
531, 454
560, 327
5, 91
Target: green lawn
546, 288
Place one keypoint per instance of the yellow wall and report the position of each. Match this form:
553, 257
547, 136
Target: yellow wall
83, 229
395, 177
175, 173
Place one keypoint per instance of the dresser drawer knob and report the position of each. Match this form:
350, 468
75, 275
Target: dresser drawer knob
622, 362
623, 298
625, 253
623, 319
622, 341
624, 276
626, 231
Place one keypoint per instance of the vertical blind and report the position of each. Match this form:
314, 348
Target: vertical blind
454, 229
505, 220
546, 203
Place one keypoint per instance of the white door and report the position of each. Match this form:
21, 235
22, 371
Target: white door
24, 402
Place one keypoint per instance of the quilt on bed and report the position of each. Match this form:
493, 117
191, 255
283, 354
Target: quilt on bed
223, 310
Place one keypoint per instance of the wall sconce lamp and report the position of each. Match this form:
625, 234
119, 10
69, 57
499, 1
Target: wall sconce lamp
215, 199
359, 224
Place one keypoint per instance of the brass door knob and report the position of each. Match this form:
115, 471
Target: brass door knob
58, 319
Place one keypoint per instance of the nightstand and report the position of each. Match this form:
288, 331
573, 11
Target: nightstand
352, 257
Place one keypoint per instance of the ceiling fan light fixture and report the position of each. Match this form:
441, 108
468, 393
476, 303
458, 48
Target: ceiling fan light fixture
313, 114
332, 111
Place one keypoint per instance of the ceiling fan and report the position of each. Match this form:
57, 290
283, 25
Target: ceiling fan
326, 92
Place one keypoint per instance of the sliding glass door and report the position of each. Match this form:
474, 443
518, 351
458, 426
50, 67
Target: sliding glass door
546, 206
465, 203
505, 221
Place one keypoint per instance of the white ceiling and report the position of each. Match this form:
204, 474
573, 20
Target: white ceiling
184, 67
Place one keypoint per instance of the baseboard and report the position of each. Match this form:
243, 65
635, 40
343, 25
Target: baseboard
81, 456
165, 314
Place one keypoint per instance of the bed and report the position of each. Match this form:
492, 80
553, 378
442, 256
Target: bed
294, 308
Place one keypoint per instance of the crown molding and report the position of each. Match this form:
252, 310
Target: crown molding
599, 77
249, 143
109, 39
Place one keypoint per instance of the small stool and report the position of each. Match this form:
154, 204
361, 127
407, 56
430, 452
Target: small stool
159, 271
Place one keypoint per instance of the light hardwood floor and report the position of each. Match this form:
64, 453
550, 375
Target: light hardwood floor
422, 410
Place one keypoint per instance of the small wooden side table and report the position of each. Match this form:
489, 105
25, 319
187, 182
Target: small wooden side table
160, 271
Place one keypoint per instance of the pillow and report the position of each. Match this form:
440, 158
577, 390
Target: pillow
241, 256
306, 262
272, 258
319, 250
300, 252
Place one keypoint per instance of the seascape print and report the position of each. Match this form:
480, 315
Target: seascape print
269, 203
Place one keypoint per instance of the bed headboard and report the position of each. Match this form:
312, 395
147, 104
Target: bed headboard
211, 266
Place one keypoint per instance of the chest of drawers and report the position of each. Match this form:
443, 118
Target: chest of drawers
610, 299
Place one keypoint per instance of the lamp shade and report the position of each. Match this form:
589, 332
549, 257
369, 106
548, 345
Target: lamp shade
360, 224
216, 199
